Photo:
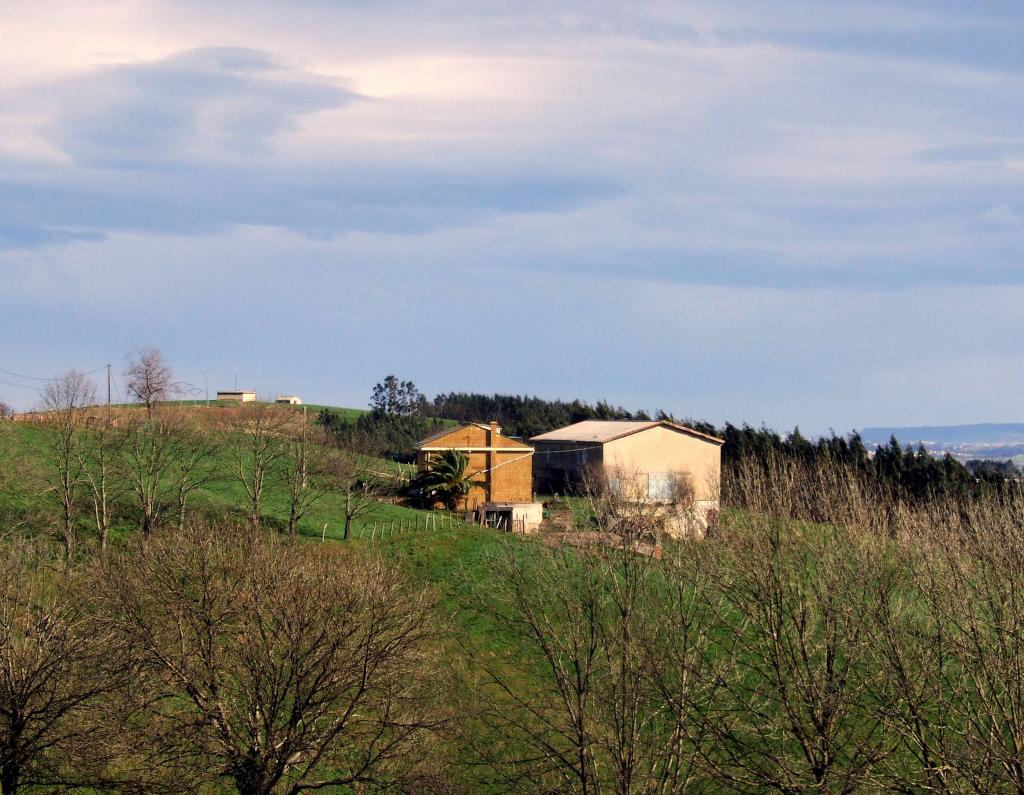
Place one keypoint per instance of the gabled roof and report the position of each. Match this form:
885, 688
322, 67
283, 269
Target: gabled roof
603, 431
482, 425
446, 431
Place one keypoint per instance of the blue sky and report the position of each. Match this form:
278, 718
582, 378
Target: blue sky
790, 212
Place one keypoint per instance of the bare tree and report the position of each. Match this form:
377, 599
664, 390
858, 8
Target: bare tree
275, 668
256, 437
5, 411
590, 717
55, 666
687, 666
149, 379
629, 504
800, 710
196, 466
98, 456
915, 651
151, 460
64, 399
356, 473
306, 465
976, 605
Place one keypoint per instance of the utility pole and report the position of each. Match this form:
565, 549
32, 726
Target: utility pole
108, 395
304, 448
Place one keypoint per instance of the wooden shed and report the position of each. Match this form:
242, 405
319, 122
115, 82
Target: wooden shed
502, 467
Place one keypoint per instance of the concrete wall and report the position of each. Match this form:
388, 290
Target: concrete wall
661, 450
630, 464
241, 397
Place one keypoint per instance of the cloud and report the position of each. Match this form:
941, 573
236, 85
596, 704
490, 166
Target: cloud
769, 207
200, 104
192, 144
1001, 216
330, 318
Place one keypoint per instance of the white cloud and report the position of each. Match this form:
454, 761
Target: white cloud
772, 211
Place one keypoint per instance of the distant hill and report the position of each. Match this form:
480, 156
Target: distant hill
982, 440
981, 433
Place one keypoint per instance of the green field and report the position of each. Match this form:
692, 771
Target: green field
224, 495
818, 641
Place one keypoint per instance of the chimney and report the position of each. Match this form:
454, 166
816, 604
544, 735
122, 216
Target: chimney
495, 430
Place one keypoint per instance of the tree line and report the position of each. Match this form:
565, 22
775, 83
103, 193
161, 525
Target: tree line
401, 415
905, 472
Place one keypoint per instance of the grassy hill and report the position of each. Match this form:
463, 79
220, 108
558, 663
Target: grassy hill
313, 409
29, 443
813, 643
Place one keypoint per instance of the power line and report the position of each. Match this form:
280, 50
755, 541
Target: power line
19, 375
23, 386
37, 378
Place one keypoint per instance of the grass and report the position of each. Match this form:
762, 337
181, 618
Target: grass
735, 570
452, 556
226, 495
347, 414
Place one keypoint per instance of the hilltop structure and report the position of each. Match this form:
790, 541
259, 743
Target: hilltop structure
238, 396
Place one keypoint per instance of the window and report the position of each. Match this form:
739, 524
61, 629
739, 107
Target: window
659, 487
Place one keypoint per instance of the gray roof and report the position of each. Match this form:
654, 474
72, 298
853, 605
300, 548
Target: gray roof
601, 431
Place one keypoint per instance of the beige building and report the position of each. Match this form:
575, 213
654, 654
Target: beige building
243, 396
657, 460
501, 468
290, 400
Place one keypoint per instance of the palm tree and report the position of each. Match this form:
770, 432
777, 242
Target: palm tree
445, 479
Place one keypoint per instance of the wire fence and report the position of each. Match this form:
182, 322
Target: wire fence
389, 528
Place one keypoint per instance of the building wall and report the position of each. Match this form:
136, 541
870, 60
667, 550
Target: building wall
661, 450
504, 466
243, 397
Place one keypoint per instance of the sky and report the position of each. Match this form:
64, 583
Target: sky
790, 213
